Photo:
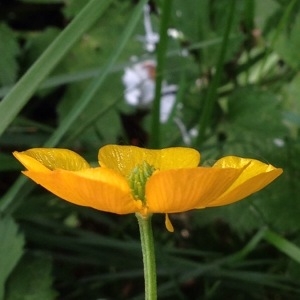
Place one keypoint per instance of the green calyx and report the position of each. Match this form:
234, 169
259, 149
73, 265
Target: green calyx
137, 179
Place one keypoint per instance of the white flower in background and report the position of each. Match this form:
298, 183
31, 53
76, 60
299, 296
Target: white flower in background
168, 99
151, 38
139, 82
139, 79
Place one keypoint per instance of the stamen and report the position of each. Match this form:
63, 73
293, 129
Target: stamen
137, 180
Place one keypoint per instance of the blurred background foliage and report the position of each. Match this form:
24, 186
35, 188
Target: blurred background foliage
235, 65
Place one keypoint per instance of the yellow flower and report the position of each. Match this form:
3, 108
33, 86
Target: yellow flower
137, 180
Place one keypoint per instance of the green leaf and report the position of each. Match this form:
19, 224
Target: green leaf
254, 112
31, 280
263, 10
37, 43
72, 8
204, 20
11, 249
291, 114
288, 45
9, 50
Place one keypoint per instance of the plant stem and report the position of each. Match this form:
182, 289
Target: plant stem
155, 137
147, 244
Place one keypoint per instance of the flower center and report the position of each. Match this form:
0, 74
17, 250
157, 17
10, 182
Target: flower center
137, 180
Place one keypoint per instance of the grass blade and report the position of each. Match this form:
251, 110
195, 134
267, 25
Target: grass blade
15, 100
11, 197
283, 245
161, 58
212, 90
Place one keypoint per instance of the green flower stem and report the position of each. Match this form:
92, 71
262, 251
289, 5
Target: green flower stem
147, 243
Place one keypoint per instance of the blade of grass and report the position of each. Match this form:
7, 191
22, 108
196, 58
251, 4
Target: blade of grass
28, 84
161, 59
62, 79
257, 278
210, 98
94, 86
10, 198
282, 245
195, 269
187, 269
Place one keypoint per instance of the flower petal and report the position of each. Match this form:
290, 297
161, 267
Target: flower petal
254, 177
181, 190
124, 158
100, 188
53, 158
29, 162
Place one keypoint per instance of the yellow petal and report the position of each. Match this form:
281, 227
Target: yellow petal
100, 188
255, 176
125, 158
54, 158
181, 190
29, 162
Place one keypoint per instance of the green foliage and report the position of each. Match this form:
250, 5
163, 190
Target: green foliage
283, 45
37, 43
9, 50
25, 87
11, 249
246, 122
291, 112
31, 280
71, 95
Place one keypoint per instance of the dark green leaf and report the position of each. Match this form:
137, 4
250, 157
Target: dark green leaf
31, 280
11, 249
9, 50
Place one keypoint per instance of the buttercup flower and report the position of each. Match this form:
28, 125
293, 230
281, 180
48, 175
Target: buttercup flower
137, 180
